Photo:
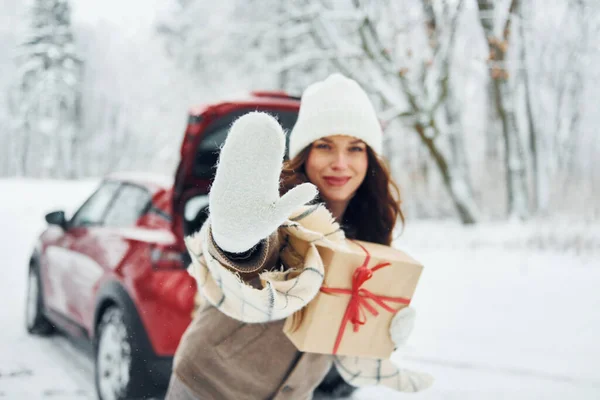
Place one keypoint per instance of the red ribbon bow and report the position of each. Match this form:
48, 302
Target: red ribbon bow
355, 311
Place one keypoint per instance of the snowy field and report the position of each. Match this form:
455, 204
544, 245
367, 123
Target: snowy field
504, 311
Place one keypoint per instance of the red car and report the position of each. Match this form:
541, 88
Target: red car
115, 271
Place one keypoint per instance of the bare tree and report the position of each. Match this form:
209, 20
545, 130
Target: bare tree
411, 57
515, 163
350, 40
533, 134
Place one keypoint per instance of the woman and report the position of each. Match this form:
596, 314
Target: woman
246, 258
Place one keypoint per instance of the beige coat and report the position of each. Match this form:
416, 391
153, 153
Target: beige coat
235, 347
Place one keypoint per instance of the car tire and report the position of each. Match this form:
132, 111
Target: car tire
120, 371
35, 319
334, 386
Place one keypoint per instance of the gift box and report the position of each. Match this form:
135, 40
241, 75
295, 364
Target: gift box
365, 285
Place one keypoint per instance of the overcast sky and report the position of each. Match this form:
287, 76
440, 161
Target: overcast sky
132, 15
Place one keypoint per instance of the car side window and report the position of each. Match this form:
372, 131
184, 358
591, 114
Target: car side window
128, 206
92, 211
207, 153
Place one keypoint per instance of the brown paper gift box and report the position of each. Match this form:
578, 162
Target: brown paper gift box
322, 318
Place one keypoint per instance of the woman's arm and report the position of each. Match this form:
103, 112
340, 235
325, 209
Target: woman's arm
249, 264
274, 295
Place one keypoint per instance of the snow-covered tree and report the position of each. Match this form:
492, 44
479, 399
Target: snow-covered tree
45, 102
539, 67
299, 41
406, 62
425, 63
499, 35
561, 74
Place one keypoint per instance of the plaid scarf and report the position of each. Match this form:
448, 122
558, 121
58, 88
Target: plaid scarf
286, 287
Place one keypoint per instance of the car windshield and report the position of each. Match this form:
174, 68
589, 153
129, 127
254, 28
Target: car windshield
208, 149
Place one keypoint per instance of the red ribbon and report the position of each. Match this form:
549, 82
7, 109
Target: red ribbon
355, 311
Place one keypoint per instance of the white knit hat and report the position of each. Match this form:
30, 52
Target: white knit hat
335, 106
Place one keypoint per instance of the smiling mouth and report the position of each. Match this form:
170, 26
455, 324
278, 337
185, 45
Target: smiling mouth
334, 181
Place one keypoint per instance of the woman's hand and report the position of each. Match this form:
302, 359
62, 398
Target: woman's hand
244, 201
402, 326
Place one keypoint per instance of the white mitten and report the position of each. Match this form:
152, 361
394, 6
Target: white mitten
402, 325
413, 381
368, 372
244, 201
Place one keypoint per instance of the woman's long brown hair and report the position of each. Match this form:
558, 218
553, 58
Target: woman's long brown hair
375, 208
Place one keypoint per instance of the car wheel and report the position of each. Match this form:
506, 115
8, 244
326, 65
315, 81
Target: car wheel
334, 386
120, 373
35, 320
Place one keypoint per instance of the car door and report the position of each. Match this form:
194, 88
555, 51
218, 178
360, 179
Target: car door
61, 260
104, 249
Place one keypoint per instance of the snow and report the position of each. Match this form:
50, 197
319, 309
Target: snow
32, 367
500, 314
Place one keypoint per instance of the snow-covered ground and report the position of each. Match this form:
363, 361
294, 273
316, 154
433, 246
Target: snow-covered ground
501, 315
32, 367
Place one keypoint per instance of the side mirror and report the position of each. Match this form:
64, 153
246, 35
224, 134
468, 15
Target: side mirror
57, 218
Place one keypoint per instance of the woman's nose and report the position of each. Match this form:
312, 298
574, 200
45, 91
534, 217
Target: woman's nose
340, 161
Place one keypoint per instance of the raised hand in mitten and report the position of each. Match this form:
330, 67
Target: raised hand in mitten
244, 202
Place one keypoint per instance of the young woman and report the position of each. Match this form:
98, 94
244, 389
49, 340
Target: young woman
255, 260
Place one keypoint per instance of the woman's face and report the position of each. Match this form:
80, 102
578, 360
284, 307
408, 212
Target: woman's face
337, 165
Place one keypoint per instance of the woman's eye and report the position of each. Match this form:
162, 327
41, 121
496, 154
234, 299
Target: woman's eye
356, 149
322, 146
